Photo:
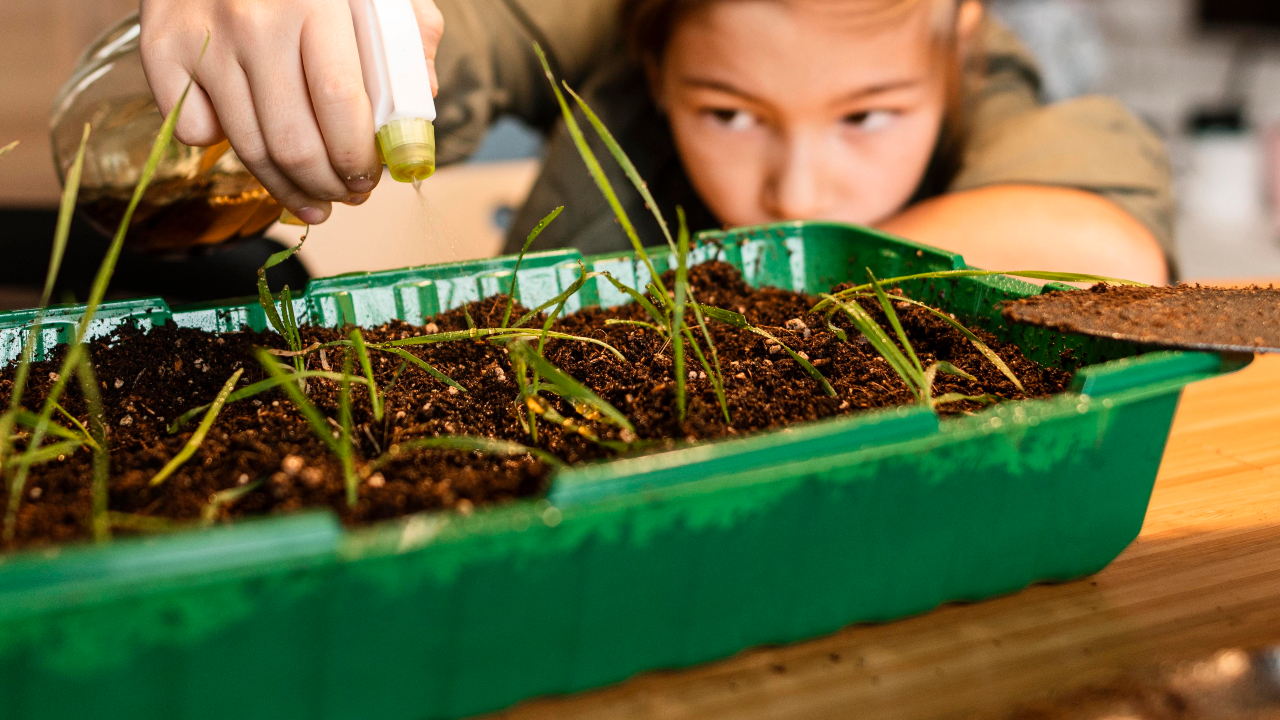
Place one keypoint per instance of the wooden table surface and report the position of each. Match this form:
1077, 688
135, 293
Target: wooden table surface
1204, 575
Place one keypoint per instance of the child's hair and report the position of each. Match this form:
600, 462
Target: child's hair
649, 23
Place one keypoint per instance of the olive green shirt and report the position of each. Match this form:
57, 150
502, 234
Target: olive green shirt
487, 68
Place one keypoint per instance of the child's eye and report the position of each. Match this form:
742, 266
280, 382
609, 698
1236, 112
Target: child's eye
871, 120
732, 119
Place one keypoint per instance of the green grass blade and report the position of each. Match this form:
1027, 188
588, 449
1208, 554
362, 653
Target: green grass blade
883, 345
572, 390
375, 398
1047, 276
84, 431
424, 365
528, 243
143, 523
319, 426
484, 333
202, 430
47, 453
346, 452
987, 399
66, 213
266, 299
30, 420
637, 323
100, 487
969, 335
466, 443
894, 321
658, 318
594, 168
258, 388
560, 299
224, 498
740, 321
677, 314
624, 162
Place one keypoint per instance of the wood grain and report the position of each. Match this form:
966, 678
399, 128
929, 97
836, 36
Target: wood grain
1203, 575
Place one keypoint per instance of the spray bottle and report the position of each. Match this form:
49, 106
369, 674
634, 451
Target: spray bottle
394, 64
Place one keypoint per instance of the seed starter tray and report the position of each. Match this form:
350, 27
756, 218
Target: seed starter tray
661, 561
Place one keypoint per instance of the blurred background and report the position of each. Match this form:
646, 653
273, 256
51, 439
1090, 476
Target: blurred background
1204, 73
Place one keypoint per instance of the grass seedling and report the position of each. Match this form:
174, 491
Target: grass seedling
739, 321
97, 292
904, 361
258, 388
659, 290
346, 444
570, 389
100, 525
284, 321
223, 498
12, 414
341, 445
375, 398
528, 243
202, 430
955, 274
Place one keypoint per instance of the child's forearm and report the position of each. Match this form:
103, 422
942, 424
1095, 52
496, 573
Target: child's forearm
1029, 227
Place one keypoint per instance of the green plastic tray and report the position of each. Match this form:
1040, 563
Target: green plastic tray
654, 562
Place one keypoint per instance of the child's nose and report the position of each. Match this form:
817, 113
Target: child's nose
797, 188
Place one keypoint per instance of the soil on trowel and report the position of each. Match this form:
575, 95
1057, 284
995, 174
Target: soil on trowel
1184, 316
149, 378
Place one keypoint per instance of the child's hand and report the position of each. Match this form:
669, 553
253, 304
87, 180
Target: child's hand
281, 80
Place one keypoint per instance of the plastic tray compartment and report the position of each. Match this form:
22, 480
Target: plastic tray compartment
654, 562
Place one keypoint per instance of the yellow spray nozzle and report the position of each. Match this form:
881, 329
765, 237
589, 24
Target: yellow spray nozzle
408, 148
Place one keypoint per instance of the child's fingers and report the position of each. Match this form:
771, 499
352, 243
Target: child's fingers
230, 91
336, 84
290, 132
168, 68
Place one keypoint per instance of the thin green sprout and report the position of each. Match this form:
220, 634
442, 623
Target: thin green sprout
951, 274
375, 398
202, 430
97, 293
560, 299
894, 321
347, 454
259, 387
740, 321
223, 498
85, 436
422, 364
677, 321
594, 167
515, 274
977, 342
100, 487
570, 388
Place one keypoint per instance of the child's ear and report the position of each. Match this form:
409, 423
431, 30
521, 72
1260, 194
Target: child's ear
968, 21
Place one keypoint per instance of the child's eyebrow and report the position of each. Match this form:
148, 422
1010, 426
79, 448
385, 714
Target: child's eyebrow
859, 94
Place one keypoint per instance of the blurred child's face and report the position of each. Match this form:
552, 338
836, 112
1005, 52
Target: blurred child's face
790, 110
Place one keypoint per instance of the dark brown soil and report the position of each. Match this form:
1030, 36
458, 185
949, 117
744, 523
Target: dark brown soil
149, 378
1185, 316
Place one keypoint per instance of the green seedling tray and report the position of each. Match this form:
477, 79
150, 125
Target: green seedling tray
661, 561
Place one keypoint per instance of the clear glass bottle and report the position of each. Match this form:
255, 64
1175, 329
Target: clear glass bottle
198, 197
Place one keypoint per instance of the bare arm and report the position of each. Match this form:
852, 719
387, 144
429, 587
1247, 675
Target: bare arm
1031, 227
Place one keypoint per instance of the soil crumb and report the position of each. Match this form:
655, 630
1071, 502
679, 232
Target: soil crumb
149, 378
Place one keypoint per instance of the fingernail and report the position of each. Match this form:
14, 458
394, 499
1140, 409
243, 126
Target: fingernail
355, 200
361, 185
310, 215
